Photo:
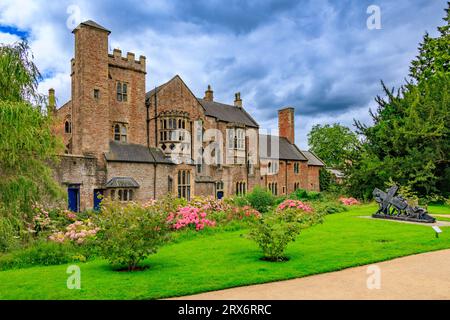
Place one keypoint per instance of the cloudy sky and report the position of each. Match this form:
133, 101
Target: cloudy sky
318, 56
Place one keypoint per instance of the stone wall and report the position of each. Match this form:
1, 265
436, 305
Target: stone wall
144, 174
82, 172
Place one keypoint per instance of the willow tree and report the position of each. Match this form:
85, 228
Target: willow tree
27, 144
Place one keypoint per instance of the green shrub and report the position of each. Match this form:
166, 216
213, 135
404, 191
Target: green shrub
275, 231
9, 238
279, 200
261, 199
301, 194
41, 253
130, 233
330, 207
237, 201
314, 195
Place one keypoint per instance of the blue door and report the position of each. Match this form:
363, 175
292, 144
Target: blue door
74, 199
98, 197
219, 195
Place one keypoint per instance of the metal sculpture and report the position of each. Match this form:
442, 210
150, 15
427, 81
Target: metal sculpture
397, 208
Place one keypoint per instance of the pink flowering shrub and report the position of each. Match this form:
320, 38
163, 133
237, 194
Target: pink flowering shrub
209, 204
349, 201
294, 204
243, 213
76, 232
190, 216
41, 221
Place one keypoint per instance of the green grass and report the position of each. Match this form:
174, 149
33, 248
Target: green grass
228, 259
439, 209
443, 218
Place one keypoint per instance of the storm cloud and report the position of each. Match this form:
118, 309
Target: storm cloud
318, 56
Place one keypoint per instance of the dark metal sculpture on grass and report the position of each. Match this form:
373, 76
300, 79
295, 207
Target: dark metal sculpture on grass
397, 208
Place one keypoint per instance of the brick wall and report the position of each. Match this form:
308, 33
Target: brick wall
313, 178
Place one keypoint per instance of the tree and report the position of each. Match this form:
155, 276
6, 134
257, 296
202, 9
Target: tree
434, 53
334, 144
19, 76
409, 142
27, 143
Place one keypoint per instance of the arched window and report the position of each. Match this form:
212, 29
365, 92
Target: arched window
120, 132
117, 132
296, 168
123, 134
67, 127
122, 91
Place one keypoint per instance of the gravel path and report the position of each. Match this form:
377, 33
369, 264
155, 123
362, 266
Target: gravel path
422, 276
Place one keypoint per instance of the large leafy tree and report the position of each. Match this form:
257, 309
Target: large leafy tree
334, 144
27, 144
409, 141
434, 53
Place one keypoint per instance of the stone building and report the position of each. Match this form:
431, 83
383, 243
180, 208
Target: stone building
131, 145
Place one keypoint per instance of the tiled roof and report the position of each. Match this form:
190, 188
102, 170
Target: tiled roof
227, 113
152, 92
336, 172
313, 160
94, 24
124, 152
286, 150
122, 182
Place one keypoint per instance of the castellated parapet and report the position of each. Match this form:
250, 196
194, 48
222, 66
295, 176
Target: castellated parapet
129, 62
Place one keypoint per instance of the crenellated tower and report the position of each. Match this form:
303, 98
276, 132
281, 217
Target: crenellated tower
90, 90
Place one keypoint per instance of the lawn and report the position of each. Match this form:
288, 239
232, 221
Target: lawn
228, 259
439, 209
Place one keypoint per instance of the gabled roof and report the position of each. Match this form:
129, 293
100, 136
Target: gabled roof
122, 182
227, 113
286, 150
125, 152
152, 92
220, 111
92, 24
313, 160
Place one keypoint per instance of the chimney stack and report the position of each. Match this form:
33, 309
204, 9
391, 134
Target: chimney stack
209, 94
51, 100
286, 124
237, 100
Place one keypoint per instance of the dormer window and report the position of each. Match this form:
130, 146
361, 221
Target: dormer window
120, 132
122, 91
